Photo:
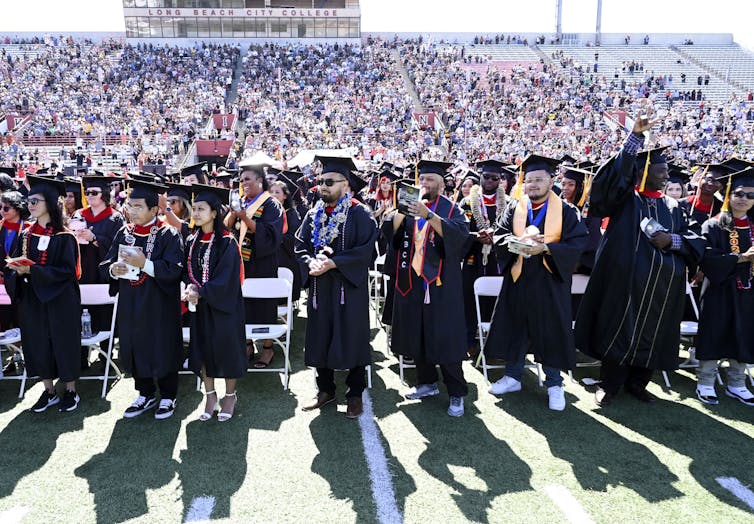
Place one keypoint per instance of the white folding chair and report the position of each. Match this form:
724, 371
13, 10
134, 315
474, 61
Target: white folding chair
578, 287
99, 295
689, 330
10, 339
287, 274
375, 283
280, 334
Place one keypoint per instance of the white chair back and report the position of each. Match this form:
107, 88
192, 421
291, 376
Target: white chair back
4, 297
488, 286
690, 294
95, 295
285, 273
266, 288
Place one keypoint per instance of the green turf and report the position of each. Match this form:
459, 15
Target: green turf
276, 463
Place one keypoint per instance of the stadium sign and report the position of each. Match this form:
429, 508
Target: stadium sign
249, 13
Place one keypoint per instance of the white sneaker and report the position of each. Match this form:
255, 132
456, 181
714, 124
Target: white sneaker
423, 390
707, 395
741, 394
166, 409
455, 408
505, 385
557, 398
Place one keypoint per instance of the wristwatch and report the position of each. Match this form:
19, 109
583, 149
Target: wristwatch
430, 215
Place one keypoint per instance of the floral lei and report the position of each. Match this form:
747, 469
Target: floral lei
326, 229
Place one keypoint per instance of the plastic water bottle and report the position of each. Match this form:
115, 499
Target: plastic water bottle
86, 324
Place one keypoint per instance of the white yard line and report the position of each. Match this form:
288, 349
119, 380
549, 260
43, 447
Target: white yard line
573, 511
201, 509
14, 515
734, 485
382, 483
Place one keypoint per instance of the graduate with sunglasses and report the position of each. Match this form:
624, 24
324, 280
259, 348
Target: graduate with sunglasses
43, 280
728, 296
213, 279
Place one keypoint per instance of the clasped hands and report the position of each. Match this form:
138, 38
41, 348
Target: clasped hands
538, 246
320, 266
191, 294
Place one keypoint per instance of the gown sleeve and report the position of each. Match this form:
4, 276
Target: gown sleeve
303, 248
350, 262
565, 254
168, 269
225, 277
106, 234
455, 234
613, 185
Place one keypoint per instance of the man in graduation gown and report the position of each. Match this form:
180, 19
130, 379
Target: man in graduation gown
533, 311
149, 308
428, 321
634, 302
485, 203
728, 299
703, 204
334, 247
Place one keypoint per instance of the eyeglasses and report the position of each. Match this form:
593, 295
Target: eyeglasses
744, 194
34, 201
329, 182
489, 176
92, 192
6, 208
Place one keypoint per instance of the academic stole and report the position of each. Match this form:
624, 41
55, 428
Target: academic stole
420, 244
553, 227
254, 211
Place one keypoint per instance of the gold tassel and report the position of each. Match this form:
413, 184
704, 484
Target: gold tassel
84, 201
416, 174
726, 202
519, 187
646, 172
585, 190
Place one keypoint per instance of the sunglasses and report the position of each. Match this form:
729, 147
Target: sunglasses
490, 177
92, 192
34, 201
744, 194
6, 208
329, 182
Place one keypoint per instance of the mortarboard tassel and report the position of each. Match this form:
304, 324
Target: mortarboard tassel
84, 201
519, 187
726, 202
585, 191
646, 172
416, 174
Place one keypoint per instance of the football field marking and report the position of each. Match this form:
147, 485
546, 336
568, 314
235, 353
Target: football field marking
14, 515
734, 485
379, 475
568, 504
201, 509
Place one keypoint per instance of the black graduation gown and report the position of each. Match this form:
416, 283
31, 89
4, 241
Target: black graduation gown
8, 312
697, 217
286, 256
594, 228
474, 267
149, 314
337, 330
534, 312
260, 251
633, 305
49, 305
438, 326
218, 336
727, 312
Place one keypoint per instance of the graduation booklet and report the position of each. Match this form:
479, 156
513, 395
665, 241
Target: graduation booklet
406, 194
516, 245
133, 271
19, 261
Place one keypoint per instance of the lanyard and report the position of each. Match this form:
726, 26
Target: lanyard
540, 216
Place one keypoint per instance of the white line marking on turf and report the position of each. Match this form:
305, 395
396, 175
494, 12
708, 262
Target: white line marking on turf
201, 509
568, 504
382, 484
733, 485
14, 515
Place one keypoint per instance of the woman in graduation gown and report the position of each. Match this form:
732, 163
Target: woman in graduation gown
213, 286
728, 297
47, 293
15, 214
258, 223
282, 190
178, 210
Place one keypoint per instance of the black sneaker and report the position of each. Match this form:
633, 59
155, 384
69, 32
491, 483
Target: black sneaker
140, 405
45, 401
166, 409
70, 401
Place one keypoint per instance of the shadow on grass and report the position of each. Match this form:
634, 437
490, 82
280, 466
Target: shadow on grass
138, 457
599, 456
466, 442
30, 439
715, 449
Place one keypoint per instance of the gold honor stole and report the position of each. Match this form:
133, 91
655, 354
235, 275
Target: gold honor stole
251, 211
553, 227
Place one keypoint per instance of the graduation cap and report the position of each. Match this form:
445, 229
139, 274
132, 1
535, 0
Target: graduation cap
745, 177
255, 167
141, 189
355, 182
289, 179
535, 162
180, 190
46, 185
213, 195
434, 167
737, 164
715, 170
586, 165
471, 175
346, 167
576, 174
568, 159
72, 185
11, 171
42, 171
144, 177
650, 157
273, 171
198, 170
490, 166
678, 174
102, 182
390, 175
224, 178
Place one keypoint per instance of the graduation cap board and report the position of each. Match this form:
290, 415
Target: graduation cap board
48, 185
471, 175
344, 166
743, 178
213, 195
678, 174
72, 185
490, 166
433, 167
140, 189
180, 190
650, 157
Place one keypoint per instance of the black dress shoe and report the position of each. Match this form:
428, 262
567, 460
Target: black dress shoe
322, 400
603, 398
355, 407
641, 394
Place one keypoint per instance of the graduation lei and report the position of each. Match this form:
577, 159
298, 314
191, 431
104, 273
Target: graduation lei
203, 263
326, 228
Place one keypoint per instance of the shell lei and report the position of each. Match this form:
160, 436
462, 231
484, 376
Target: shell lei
481, 219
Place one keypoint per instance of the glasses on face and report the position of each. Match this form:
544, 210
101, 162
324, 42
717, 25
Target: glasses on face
92, 192
34, 201
329, 182
489, 176
743, 194
135, 208
6, 208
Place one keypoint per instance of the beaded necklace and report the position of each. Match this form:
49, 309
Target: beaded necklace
735, 248
36, 229
131, 240
203, 263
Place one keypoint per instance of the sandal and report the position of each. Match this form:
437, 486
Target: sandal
224, 416
261, 364
204, 417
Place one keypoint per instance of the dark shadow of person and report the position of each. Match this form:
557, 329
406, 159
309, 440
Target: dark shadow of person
30, 439
715, 449
493, 461
599, 456
138, 455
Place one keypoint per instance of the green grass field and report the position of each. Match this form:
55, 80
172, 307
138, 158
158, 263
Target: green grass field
276, 463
